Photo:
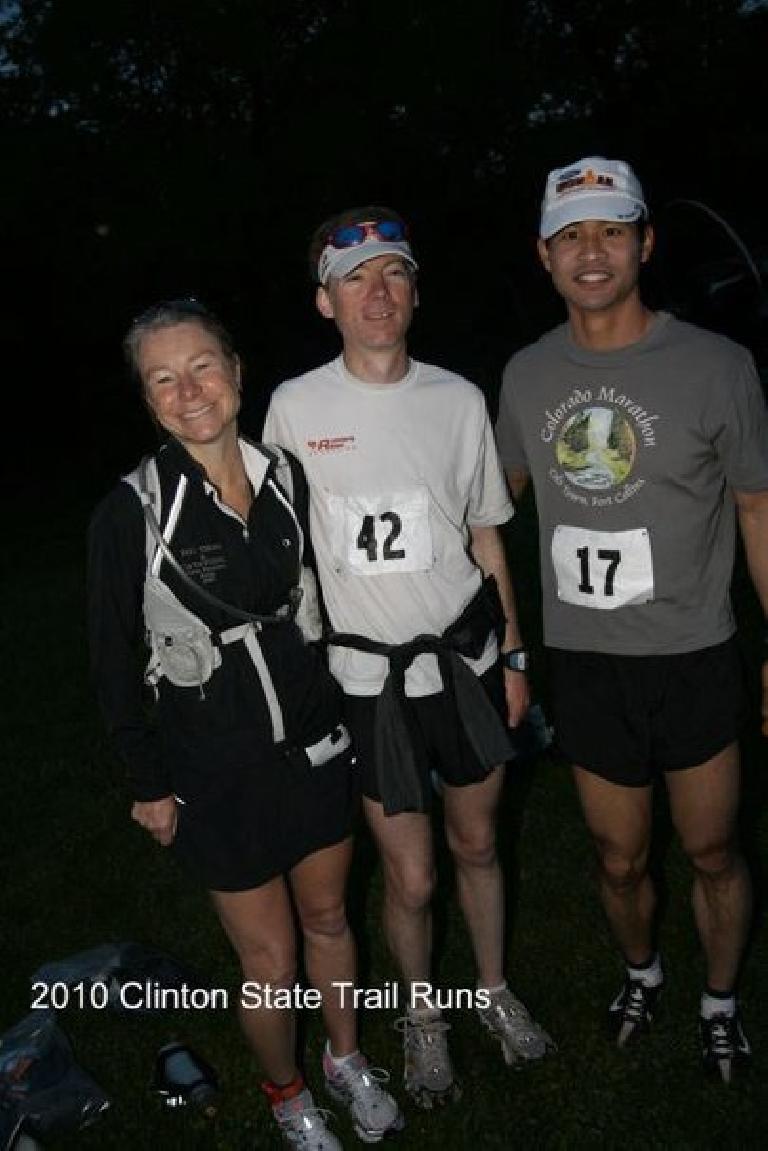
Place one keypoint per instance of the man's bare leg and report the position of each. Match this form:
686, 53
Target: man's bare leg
470, 825
470, 822
406, 849
619, 820
704, 805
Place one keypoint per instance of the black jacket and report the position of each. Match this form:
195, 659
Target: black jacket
179, 744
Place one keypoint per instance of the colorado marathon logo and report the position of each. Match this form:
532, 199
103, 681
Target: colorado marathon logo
597, 437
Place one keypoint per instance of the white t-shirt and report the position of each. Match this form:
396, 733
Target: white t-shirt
397, 474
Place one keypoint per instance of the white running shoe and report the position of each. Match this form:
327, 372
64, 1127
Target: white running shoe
374, 1112
303, 1125
428, 1074
510, 1022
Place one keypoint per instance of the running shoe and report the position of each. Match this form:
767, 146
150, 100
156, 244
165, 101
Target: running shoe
724, 1046
357, 1086
631, 1013
302, 1124
510, 1022
428, 1074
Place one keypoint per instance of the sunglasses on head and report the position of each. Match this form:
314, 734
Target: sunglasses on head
182, 305
349, 235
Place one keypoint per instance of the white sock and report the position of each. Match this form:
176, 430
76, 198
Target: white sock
339, 1060
650, 974
493, 990
721, 1003
424, 1012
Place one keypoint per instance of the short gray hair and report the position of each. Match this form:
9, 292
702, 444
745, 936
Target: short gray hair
167, 314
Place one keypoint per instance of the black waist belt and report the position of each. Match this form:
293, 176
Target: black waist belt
398, 740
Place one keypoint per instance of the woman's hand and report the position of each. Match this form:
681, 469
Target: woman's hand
158, 817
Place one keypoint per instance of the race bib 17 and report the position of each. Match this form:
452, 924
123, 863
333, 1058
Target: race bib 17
603, 570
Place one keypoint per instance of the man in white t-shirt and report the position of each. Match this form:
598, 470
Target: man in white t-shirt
406, 497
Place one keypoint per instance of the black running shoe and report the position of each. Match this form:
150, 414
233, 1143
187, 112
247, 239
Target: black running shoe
723, 1045
631, 1013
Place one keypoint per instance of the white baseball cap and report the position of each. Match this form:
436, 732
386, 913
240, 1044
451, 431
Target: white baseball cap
591, 189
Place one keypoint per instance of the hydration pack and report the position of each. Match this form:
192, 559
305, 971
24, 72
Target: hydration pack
183, 648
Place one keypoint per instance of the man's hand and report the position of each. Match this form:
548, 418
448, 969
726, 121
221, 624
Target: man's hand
518, 696
158, 817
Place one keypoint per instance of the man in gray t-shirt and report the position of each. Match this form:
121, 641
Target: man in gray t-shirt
646, 439
406, 497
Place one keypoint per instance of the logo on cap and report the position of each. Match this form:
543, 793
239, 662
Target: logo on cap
590, 177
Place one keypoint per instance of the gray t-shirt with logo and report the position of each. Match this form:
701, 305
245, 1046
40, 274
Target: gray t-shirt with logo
632, 452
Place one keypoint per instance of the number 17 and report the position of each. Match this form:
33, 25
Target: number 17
612, 557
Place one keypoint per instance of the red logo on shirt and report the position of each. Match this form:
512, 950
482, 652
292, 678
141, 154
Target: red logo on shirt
331, 444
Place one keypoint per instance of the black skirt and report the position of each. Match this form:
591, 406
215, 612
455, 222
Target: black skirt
257, 820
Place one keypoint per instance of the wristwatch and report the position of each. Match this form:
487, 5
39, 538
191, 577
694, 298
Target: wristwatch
515, 660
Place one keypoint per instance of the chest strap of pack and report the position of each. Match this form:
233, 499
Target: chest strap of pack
285, 612
247, 633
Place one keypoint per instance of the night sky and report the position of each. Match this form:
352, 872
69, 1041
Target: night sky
168, 148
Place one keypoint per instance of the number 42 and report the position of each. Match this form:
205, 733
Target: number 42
368, 543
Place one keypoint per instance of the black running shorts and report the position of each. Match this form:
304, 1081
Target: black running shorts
629, 718
454, 762
263, 817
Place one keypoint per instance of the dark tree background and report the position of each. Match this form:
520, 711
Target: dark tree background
162, 147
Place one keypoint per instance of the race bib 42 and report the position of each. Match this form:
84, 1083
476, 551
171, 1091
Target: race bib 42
383, 533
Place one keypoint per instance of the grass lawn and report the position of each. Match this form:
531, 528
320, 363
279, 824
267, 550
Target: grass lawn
78, 873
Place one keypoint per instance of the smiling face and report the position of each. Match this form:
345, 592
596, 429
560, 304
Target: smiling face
191, 386
595, 264
372, 305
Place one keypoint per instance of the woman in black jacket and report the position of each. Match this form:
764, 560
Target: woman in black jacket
248, 771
